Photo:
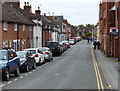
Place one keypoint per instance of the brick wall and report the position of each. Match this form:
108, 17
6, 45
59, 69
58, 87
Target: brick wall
10, 35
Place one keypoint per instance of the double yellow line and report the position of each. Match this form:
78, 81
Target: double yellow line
97, 71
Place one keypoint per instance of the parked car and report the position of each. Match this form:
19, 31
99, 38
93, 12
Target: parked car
47, 53
54, 47
67, 42
75, 41
39, 57
78, 39
72, 41
62, 46
9, 63
27, 61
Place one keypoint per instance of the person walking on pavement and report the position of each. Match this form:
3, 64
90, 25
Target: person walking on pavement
95, 43
98, 45
88, 40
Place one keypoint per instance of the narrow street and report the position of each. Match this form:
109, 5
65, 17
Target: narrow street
72, 70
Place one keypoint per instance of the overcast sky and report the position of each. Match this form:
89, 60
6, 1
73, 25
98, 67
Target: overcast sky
75, 11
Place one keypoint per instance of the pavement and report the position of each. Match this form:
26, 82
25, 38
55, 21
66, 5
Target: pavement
110, 68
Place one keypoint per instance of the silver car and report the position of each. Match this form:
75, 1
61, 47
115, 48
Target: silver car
48, 56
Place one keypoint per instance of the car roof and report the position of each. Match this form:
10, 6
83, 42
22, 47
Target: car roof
44, 47
52, 41
32, 49
22, 51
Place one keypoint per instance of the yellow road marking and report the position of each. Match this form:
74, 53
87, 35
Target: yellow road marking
98, 75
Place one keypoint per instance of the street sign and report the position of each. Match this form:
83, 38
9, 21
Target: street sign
113, 30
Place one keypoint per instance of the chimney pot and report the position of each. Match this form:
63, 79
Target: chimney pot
27, 3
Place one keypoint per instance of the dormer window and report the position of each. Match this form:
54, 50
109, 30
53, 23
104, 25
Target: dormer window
15, 26
5, 26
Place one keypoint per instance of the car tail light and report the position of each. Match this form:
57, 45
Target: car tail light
36, 55
46, 52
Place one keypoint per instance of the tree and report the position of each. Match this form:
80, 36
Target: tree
88, 34
90, 26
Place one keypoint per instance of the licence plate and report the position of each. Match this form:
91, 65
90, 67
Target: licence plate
51, 48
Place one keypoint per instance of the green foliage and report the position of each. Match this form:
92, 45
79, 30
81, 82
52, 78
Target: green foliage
89, 25
81, 25
88, 34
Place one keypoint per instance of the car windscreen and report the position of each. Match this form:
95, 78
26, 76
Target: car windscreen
21, 54
32, 51
3, 55
52, 43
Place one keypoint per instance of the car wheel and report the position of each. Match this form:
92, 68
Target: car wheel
7, 75
34, 65
17, 73
27, 68
51, 58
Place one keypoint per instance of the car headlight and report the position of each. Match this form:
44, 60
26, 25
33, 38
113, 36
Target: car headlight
2, 65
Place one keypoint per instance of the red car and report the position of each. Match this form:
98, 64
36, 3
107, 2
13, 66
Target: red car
74, 39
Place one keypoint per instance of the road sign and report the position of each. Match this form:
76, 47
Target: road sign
113, 30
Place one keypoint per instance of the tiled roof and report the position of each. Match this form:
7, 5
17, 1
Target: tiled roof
11, 14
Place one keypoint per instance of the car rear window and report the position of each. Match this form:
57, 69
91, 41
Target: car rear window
32, 51
52, 43
3, 55
42, 49
21, 54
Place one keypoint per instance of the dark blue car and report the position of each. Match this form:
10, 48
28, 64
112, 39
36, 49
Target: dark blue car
9, 63
27, 61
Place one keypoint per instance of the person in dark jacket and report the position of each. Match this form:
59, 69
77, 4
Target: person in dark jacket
95, 44
88, 40
98, 45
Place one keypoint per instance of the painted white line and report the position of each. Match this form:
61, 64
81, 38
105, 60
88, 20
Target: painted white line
15, 79
26, 74
30, 72
21, 77
9, 82
2, 85
34, 70
39, 67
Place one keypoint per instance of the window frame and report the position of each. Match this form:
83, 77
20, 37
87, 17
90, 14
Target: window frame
15, 27
5, 26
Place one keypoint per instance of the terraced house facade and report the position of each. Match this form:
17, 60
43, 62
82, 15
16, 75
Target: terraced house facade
109, 19
17, 29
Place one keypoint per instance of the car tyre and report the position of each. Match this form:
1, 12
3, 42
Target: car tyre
17, 72
7, 75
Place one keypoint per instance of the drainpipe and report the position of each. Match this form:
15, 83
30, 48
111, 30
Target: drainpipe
17, 37
119, 30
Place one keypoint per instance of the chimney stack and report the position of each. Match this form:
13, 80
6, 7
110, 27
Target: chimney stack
27, 7
38, 12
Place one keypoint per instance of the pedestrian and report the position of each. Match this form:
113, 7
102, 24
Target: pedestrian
98, 45
95, 43
88, 40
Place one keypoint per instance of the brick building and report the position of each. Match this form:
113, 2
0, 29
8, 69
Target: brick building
17, 29
109, 18
47, 30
